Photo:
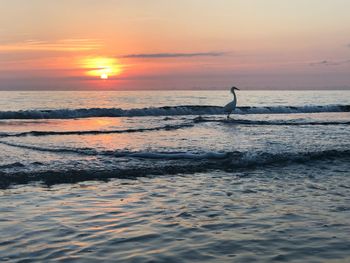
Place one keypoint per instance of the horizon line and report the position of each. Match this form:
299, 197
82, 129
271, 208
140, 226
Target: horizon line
188, 89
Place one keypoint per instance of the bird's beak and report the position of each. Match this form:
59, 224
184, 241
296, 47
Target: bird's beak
237, 88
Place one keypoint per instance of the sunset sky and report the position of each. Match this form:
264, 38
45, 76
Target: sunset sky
180, 44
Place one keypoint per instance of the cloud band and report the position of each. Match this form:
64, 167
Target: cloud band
175, 55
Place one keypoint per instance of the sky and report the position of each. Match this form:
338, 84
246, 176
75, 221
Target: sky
167, 44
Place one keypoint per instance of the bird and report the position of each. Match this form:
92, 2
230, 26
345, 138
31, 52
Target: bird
230, 107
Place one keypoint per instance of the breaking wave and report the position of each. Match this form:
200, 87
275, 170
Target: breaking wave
164, 111
145, 163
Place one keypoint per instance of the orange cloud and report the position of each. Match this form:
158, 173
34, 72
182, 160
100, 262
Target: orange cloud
68, 45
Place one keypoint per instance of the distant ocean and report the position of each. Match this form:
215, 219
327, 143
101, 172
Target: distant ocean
164, 176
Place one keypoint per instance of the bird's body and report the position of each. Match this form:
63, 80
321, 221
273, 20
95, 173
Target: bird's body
230, 107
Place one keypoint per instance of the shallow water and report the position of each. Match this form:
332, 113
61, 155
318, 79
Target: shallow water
163, 182
47, 100
295, 213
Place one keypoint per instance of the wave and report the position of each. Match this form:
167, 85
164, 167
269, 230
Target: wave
175, 127
162, 163
165, 111
81, 151
95, 132
12, 165
235, 155
272, 123
121, 154
17, 165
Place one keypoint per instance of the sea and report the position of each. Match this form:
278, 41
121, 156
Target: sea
165, 176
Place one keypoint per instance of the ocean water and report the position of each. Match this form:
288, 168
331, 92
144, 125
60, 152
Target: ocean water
163, 176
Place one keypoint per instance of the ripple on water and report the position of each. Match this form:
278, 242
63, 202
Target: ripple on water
222, 217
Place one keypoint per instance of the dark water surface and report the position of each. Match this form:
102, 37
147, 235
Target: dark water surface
293, 213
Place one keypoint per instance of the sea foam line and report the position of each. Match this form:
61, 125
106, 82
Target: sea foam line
164, 111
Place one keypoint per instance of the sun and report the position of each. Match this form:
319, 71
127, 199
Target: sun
102, 67
104, 76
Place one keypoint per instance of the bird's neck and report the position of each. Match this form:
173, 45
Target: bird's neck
234, 96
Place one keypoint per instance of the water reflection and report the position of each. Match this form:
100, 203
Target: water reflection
62, 125
183, 217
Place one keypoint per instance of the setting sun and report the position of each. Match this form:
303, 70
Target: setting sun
102, 67
175, 131
104, 76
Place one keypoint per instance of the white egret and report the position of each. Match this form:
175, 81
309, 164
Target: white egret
229, 108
